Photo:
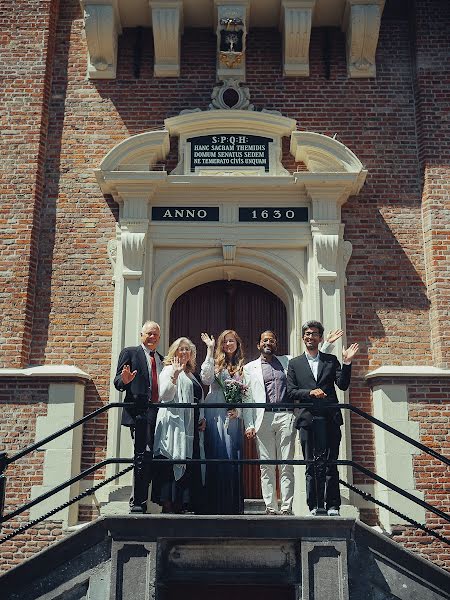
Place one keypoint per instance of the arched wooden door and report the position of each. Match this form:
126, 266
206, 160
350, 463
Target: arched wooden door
245, 307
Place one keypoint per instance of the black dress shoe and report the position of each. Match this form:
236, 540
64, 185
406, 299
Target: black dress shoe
137, 509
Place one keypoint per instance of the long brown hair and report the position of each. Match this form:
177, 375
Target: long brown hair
221, 360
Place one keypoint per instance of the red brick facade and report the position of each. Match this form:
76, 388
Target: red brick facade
56, 295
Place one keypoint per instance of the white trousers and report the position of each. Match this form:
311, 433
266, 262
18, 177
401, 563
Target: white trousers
275, 440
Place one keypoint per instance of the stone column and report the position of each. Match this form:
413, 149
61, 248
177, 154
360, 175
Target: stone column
130, 277
326, 279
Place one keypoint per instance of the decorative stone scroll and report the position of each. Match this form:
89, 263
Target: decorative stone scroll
102, 28
167, 20
361, 21
296, 16
231, 95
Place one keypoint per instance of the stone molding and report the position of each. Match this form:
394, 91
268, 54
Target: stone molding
138, 153
406, 371
323, 154
361, 22
68, 372
296, 21
102, 27
213, 121
167, 23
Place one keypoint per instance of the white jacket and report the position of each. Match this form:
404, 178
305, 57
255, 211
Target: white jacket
253, 377
174, 430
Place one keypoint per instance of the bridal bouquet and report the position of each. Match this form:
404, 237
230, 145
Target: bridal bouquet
234, 392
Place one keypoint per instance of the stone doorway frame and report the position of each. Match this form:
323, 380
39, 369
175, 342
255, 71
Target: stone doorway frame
303, 264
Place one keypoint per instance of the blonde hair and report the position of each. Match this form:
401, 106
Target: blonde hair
221, 360
191, 363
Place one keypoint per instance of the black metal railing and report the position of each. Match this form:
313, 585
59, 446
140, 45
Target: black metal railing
5, 461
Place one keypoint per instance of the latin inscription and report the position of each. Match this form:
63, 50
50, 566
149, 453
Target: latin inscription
230, 150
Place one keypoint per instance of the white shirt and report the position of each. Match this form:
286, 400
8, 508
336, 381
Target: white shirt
313, 362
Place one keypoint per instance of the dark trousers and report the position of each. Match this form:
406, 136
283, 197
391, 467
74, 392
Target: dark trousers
322, 439
144, 436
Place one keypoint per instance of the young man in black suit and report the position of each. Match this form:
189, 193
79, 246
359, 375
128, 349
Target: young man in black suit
311, 378
137, 375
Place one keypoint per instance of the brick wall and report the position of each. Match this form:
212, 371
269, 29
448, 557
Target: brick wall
27, 42
21, 403
432, 99
429, 405
61, 125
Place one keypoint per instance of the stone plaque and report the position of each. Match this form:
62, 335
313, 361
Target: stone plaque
230, 150
185, 213
284, 214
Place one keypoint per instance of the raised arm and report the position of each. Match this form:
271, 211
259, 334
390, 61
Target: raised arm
124, 375
207, 369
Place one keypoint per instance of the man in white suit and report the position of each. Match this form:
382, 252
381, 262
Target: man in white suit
273, 426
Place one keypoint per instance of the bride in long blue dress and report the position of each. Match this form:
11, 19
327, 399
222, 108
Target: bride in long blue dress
224, 433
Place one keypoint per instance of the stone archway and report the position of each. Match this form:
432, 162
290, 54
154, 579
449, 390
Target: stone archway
155, 261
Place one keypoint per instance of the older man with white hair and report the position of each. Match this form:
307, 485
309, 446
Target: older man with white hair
137, 374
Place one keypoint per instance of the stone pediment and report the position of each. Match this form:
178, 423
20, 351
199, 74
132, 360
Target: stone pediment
230, 142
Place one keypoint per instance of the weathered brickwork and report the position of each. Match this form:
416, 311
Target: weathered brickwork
27, 55
429, 405
22, 402
56, 293
432, 94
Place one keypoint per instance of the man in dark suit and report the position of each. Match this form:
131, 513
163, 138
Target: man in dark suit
311, 378
137, 375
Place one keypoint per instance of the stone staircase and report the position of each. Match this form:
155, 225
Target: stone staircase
145, 557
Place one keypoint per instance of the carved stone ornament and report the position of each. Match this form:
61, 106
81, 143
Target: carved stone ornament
231, 59
362, 24
296, 26
231, 35
132, 238
112, 255
326, 245
347, 250
229, 252
167, 23
231, 96
102, 27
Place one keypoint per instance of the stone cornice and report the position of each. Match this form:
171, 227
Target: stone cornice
68, 372
395, 371
321, 153
223, 121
